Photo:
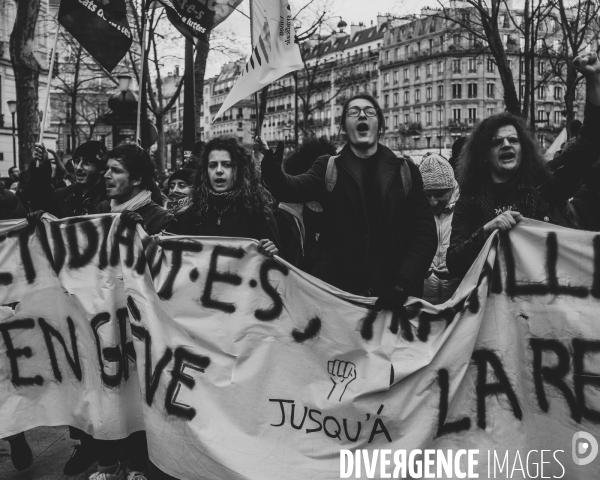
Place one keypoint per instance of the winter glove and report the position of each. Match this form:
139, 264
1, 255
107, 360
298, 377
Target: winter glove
34, 218
132, 218
392, 298
272, 161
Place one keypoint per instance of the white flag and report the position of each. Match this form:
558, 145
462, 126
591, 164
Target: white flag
274, 55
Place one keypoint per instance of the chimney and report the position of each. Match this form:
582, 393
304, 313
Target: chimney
381, 19
356, 28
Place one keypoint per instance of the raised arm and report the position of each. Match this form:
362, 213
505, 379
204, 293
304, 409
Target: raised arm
288, 188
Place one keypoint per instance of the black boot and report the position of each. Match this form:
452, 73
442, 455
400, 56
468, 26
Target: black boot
20, 452
83, 456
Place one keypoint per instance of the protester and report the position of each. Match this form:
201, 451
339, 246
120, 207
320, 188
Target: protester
180, 185
583, 210
503, 176
442, 191
129, 179
59, 172
228, 199
299, 223
457, 147
81, 198
378, 236
13, 176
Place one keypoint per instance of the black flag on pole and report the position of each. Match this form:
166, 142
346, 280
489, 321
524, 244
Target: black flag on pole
100, 26
196, 18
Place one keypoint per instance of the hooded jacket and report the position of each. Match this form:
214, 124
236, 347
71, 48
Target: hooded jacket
438, 286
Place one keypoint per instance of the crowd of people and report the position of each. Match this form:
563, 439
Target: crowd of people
361, 218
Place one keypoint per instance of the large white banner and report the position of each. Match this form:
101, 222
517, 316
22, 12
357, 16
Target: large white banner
241, 367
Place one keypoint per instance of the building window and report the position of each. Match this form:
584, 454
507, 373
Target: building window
456, 90
418, 117
406, 74
428, 93
472, 115
541, 93
428, 117
387, 122
406, 97
557, 116
440, 95
522, 91
472, 65
396, 121
440, 68
541, 115
417, 72
472, 90
386, 79
557, 93
490, 65
396, 99
456, 114
395, 76
417, 95
522, 70
490, 90
541, 68
406, 118
491, 111
428, 69
386, 101
456, 65
440, 116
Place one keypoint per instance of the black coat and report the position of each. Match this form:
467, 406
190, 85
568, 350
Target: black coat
348, 255
468, 237
231, 223
10, 205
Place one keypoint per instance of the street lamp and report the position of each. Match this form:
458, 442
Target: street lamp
124, 81
12, 107
548, 104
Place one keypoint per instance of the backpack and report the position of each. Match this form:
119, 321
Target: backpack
331, 175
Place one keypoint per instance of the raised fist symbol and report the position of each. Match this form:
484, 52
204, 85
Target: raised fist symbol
341, 373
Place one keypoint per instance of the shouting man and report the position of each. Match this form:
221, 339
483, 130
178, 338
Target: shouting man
379, 235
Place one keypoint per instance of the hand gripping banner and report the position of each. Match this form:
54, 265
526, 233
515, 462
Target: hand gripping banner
239, 366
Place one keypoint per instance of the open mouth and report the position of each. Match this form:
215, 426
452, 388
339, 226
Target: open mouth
362, 127
507, 155
220, 181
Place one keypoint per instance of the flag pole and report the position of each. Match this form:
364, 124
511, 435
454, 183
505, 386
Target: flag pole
256, 104
145, 20
50, 70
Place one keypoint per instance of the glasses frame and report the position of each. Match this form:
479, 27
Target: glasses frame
364, 110
499, 141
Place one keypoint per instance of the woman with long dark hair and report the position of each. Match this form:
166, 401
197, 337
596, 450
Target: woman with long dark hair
503, 176
228, 199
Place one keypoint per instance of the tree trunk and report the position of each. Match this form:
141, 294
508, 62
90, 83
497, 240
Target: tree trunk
199, 72
26, 70
74, 98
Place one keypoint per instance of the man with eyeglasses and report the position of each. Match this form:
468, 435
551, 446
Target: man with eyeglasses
503, 176
379, 235
81, 198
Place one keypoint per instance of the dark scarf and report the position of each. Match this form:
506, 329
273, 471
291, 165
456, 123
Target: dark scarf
222, 202
518, 192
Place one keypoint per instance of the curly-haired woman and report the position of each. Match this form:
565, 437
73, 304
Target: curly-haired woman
228, 199
503, 176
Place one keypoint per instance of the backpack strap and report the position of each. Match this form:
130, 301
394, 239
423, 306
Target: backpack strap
406, 176
331, 174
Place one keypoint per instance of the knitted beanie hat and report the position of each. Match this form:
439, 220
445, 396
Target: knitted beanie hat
436, 172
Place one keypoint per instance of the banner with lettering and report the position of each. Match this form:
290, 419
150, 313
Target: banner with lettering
239, 366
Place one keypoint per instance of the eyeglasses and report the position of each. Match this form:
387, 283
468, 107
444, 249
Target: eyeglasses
498, 141
355, 111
